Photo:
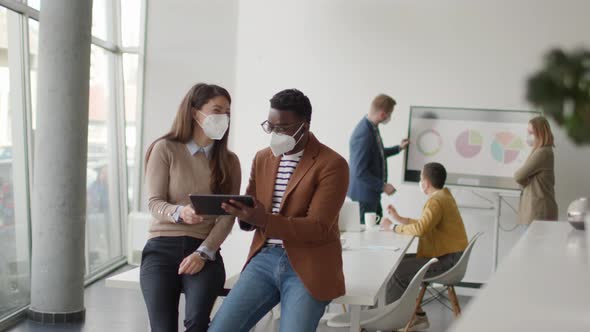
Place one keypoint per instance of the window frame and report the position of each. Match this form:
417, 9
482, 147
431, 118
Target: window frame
22, 126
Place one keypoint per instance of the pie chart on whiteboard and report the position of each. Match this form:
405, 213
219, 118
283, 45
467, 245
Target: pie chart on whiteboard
469, 143
429, 142
506, 147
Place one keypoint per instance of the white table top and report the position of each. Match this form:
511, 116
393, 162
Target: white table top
541, 286
369, 258
369, 261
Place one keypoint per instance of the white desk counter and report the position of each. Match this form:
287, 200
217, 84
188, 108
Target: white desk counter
542, 285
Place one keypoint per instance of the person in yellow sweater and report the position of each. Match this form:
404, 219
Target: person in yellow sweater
441, 232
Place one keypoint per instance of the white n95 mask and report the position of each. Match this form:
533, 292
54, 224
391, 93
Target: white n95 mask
281, 143
421, 185
530, 139
215, 125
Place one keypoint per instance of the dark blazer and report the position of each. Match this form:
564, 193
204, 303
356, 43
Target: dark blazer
367, 175
308, 218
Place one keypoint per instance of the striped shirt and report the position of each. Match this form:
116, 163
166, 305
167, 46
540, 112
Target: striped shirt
287, 167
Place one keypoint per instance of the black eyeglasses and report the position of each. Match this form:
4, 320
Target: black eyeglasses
269, 127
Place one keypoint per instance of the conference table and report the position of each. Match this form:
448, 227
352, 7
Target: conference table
369, 260
542, 285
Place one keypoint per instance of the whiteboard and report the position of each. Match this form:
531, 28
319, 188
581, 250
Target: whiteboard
478, 147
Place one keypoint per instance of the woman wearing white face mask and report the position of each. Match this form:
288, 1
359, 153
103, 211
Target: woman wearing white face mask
182, 254
537, 175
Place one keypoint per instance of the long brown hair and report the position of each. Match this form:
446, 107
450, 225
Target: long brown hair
184, 125
542, 131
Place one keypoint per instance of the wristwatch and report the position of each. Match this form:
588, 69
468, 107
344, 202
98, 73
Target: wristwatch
203, 255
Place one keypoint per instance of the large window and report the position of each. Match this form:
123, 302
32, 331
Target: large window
14, 170
131, 30
112, 171
103, 239
14, 241
130, 26
130, 75
33, 57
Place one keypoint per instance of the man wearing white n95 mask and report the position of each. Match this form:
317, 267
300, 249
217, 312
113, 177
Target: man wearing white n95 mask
368, 158
295, 258
441, 232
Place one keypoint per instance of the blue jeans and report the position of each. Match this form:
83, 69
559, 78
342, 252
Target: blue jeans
267, 280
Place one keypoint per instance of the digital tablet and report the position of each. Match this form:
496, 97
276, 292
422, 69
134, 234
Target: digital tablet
211, 204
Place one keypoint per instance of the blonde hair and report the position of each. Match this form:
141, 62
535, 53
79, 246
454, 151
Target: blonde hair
384, 103
542, 131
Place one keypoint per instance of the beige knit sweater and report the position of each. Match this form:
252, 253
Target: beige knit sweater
172, 174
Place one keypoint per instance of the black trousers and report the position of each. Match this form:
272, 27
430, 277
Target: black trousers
370, 207
161, 284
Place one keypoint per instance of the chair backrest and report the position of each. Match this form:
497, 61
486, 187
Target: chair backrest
138, 224
395, 315
457, 272
349, 219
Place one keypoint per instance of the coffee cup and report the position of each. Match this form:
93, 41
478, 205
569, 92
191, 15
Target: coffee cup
371, 220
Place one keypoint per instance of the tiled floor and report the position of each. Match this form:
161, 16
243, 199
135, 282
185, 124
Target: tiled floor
122, 310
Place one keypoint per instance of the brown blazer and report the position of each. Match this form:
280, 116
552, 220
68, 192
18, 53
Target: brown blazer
308, 218
537, 178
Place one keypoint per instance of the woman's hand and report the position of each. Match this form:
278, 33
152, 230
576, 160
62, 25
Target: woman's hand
191, 264
189, 216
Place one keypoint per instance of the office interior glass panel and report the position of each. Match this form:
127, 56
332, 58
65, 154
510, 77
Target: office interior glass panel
107, 200
130, 25
102, 221
33, 61
34, 4
130, 68
14, 225
102, 15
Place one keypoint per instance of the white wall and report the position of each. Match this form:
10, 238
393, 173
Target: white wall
444, 53
342, 53
187, 42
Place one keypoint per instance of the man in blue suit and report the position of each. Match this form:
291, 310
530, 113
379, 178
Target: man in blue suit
368, 158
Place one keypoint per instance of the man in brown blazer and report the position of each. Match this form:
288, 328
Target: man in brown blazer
295, 258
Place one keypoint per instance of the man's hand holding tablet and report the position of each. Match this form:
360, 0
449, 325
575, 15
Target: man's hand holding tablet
253, 215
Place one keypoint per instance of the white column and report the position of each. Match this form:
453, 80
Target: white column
59, 198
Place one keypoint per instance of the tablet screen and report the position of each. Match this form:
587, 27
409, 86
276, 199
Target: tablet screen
211, 204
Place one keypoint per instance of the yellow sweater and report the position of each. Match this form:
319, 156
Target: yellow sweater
440, 228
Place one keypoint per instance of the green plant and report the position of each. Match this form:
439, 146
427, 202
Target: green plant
562, 90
